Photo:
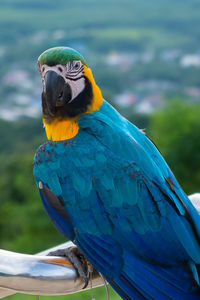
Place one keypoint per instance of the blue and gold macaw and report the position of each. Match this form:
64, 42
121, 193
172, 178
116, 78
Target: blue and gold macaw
107, 188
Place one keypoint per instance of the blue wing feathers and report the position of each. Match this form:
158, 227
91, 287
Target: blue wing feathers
186, 235
127, 212
57, 214
161, 283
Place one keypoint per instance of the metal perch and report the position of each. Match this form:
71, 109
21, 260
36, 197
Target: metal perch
45, 275
40, 274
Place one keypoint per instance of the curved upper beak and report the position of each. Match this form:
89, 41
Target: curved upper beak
56, 91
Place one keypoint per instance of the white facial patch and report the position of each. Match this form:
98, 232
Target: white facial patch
72, 74
76, 86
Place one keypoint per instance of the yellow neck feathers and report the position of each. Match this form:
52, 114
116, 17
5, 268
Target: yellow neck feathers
63, 129
97, 100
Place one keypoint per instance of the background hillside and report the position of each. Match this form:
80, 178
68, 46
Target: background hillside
142, 51
145, 56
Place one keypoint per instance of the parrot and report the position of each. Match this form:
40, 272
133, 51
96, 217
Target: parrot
107, 188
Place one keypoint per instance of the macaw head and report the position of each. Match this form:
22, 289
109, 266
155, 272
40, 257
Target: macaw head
69, 89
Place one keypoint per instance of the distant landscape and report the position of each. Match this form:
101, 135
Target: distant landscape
141, 52
145, 56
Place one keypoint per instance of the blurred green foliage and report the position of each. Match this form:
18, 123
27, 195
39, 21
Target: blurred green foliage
176, 131
99, 294
24, 225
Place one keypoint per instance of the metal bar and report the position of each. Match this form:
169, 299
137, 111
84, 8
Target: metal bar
195, 199
40, 274
45, 275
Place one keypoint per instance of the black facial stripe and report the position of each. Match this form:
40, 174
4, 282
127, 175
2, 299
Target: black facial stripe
75, 73
74, 79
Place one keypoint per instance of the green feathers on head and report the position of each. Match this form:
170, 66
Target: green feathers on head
59, 55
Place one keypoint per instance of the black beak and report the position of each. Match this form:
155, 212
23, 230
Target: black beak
57, 92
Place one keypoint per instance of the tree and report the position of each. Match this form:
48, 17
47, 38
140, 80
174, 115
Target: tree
24, 225
175, 131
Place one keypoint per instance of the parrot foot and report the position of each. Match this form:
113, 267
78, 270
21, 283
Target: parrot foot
77, 259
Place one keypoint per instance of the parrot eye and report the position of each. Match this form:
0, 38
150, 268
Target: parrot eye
74, 66
77, 65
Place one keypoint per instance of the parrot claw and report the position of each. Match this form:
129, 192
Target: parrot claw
77, 259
